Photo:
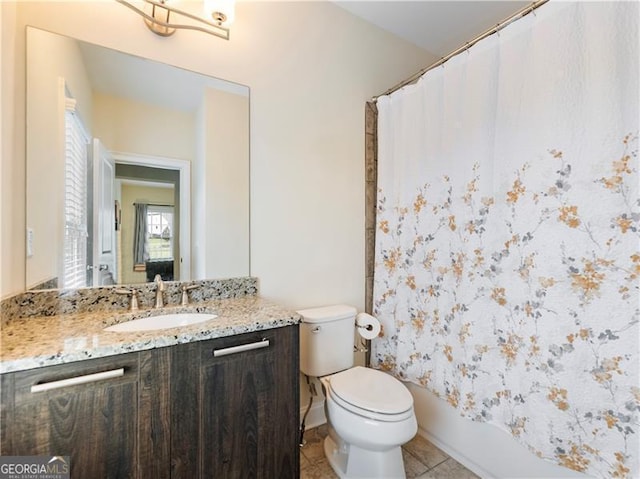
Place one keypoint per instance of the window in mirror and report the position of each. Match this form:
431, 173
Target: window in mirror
75, 200
160, 236
160, 242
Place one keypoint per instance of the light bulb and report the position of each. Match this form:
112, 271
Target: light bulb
221, 12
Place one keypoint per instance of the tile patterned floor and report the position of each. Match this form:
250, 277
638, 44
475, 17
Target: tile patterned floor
422, 460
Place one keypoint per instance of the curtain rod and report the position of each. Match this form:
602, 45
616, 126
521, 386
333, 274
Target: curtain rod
519, 14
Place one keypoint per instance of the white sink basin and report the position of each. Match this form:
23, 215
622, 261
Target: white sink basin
165, 321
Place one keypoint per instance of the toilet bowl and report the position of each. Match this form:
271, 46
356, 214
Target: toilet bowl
370, 415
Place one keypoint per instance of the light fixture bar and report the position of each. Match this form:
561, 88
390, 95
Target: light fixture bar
207, 26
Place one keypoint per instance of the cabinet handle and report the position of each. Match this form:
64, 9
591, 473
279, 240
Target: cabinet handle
239, 349
87, 378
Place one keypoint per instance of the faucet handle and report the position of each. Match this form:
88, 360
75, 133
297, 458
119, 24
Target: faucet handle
158, 280
159, 290
185, 295
134, 297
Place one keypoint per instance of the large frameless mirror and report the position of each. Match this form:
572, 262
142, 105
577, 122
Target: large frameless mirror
134, 168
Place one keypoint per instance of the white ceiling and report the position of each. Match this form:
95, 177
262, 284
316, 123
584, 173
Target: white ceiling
437, 26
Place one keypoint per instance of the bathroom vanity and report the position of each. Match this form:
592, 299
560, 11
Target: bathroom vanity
215, 399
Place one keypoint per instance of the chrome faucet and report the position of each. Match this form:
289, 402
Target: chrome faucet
159, 290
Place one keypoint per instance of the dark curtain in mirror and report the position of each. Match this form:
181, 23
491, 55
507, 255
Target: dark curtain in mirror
140, 254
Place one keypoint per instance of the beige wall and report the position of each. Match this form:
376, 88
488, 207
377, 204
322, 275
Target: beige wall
220, 223
12, 180
134, 127
310, 69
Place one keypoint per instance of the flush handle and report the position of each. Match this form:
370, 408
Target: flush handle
316, 330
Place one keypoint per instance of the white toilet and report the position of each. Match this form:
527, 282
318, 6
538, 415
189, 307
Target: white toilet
369, 413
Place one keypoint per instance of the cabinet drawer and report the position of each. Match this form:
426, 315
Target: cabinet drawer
256, 343
87, 410
73, 377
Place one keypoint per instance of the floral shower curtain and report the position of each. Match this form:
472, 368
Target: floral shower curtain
508, 234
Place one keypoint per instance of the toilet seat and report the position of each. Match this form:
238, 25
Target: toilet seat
371, 394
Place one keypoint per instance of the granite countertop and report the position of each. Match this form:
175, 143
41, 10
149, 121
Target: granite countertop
39, 341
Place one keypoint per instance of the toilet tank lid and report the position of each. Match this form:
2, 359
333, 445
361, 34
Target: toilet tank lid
327, 313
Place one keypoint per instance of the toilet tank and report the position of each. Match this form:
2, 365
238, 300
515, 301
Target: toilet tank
326, 339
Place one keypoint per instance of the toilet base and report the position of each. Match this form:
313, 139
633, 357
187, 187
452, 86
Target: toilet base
350, 462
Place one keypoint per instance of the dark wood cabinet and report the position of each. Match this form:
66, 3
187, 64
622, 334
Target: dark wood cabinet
222, 408
91, 411
241, 395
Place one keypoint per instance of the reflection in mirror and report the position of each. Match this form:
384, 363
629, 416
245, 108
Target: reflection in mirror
134, 168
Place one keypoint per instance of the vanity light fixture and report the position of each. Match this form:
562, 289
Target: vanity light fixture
164, 19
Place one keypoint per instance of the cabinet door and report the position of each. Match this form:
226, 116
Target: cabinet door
86, 410
243, 391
